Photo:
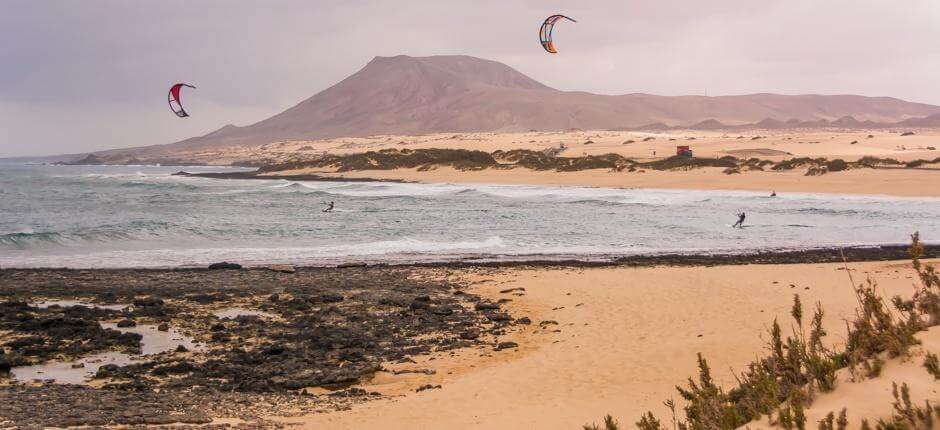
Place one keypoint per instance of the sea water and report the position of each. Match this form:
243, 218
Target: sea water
143, 216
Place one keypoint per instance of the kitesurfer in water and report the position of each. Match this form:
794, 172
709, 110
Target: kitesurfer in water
740, 222
329, 207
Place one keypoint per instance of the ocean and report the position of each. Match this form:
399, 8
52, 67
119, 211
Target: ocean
143, 216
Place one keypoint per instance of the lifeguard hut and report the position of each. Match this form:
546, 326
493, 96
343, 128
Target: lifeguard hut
684, 151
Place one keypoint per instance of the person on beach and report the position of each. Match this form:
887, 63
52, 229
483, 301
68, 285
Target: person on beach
740, 223
329, 207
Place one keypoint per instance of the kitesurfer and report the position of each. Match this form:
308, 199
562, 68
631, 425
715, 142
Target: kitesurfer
740, 222
329, 207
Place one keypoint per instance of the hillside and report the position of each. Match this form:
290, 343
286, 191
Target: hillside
405, 95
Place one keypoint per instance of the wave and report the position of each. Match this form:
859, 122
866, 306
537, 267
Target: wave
26, 239
408, 249
130, 231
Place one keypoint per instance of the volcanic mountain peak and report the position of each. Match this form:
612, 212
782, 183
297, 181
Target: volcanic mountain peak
457, 93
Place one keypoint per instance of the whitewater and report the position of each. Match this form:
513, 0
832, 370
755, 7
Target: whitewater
143, 216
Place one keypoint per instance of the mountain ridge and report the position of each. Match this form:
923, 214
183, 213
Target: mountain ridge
405, 95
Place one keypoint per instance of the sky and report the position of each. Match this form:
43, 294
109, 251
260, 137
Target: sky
79, 76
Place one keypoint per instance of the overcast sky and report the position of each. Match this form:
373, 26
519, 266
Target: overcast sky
78, 76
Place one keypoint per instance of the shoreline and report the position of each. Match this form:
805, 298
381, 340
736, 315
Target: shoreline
887, 182
853, 254
255, 174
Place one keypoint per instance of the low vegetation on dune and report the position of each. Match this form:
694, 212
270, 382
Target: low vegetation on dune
795, 368
389, 159
551, 160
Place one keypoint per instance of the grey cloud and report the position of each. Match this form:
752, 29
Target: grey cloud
110, 61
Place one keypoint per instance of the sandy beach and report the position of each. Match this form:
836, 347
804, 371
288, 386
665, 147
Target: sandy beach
895, 182
626, 336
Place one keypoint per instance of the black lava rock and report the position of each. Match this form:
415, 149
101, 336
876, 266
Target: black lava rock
225, 265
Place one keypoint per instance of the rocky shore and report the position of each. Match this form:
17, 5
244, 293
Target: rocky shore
290, 333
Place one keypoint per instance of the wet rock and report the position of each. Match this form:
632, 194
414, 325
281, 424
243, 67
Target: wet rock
520, 289
506, 345
78, 366
524, 320
163, 327
181, 348
274, 298
107, 371
225, 265
126, 323
351, 265
546, 323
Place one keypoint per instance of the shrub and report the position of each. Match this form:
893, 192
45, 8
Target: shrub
836, 165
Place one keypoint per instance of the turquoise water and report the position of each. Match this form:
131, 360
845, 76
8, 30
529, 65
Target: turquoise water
141, 216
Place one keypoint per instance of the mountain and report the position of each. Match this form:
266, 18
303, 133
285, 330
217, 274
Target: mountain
419, 95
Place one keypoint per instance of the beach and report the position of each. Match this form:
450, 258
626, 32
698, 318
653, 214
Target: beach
625, 337
576, 343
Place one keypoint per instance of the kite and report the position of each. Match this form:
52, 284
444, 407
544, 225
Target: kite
545, 33
174, 99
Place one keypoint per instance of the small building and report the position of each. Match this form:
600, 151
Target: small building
684, 151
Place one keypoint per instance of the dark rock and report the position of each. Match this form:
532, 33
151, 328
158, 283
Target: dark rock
524, 321
281, 268
470, 334
351, 265
148, 301
107, 371
427, 387
443, 311
330, 298
506, 345
181, 348
497, 316
163, 327
483, 306
224, 265
419, 305
126, 323
274, 350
